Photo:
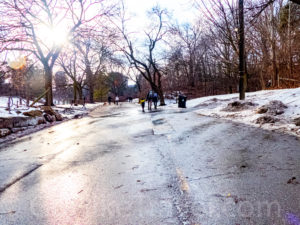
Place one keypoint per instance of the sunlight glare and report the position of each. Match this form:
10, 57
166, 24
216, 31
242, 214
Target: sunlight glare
53, 35
17, 63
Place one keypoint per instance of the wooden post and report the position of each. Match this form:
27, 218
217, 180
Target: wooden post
41, 96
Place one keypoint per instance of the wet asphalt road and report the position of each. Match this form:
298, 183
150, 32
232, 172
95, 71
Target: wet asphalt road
122, 166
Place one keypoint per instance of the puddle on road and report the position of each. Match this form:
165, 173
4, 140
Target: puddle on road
107, 115
94, 121
111, 115
143, 134
158, 121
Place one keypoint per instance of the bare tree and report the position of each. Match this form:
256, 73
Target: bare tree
94, 53
145, 61
271, 48
74, 69
23, 20
188, 44
117, 83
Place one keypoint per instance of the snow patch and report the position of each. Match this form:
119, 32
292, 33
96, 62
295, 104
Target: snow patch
269, 109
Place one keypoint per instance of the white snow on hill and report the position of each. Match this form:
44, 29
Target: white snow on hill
17, 109
217, 106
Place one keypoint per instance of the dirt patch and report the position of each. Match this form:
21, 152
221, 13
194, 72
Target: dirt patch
297, 121
273, 108
238, 106
266, 119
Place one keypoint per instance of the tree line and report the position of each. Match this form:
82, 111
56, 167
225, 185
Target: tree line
198, 58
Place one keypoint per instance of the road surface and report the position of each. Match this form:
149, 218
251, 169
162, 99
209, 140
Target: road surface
122, 166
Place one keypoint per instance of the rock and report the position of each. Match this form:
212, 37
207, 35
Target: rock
18, 112
18, 129
266, 119
6, 123
48, 118
21, 121
77, 116
50, 111
24, 121
41, 120
17, 122
33, 113
297, 121
4, 132
58, 117
262, 110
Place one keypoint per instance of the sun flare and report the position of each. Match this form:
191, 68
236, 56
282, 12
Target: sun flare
53, 35
17, 63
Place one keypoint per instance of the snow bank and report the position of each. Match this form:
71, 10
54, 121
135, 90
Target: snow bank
14, 122
284, 118
16, 109
70, 112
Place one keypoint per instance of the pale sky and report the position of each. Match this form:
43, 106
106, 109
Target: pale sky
181, 10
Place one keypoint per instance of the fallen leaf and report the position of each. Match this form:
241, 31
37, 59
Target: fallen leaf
11, 212
135, 167
292, 181
119, 186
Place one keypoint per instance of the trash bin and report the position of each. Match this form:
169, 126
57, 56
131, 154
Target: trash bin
182, 101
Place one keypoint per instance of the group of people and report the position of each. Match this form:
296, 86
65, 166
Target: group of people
152, 97
116, 100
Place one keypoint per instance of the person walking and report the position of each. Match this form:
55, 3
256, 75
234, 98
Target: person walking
109, 99
117, 100
142, 102
155, 100
150, 99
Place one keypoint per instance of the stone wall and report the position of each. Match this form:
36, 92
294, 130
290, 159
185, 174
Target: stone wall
31, 119
16, 124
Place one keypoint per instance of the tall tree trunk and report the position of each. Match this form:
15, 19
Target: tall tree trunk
27, 93
262, 82
242, 73
274, 65
274, 60
75, 91
48, 86
161, 95
90, 84
79, 91
191, 73
159, 90
91, 96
